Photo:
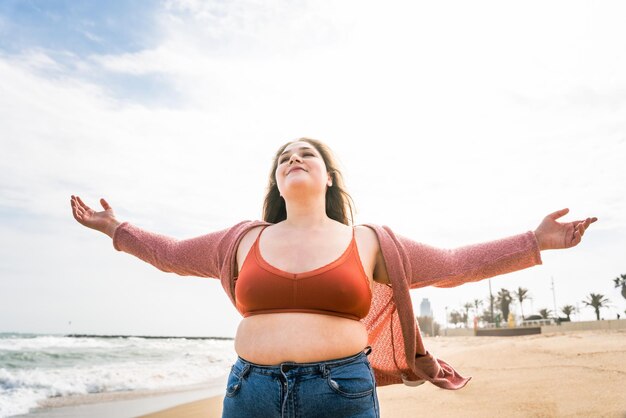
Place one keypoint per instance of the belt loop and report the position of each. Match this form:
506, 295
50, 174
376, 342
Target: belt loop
245, 371
368, 350
323, 369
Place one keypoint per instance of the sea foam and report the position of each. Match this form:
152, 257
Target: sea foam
33, 368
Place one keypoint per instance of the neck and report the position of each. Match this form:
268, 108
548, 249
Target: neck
306, 214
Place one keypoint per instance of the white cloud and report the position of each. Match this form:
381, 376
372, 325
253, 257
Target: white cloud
454, 125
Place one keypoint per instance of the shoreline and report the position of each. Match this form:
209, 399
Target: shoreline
148, 337
125, 404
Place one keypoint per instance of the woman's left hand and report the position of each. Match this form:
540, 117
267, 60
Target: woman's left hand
554, 235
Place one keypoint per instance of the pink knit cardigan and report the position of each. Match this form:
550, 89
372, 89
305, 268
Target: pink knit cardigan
398, 353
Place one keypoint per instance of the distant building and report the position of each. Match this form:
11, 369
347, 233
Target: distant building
425, 309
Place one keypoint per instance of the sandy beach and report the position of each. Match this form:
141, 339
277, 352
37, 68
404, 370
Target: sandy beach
563, 374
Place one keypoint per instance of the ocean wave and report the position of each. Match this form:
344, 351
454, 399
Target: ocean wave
46, 367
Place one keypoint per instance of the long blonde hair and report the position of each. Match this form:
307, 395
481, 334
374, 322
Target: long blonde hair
339, 204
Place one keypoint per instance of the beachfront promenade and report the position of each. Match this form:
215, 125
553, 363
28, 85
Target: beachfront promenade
612, 324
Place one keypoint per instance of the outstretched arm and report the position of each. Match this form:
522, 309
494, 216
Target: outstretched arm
432, 266
202, 256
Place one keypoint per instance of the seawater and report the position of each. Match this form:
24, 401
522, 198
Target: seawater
35, 367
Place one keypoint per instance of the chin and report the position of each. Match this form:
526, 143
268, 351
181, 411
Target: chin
297, 188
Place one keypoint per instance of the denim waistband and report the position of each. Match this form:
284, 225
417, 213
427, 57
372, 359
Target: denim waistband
294, 368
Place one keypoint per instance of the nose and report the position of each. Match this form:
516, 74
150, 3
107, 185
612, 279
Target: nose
293, 157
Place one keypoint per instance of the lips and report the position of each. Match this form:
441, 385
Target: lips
295, 169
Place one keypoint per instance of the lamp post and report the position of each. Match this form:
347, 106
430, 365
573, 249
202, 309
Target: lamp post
491, 302
556, 314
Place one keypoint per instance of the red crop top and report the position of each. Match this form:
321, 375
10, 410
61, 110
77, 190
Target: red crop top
340, 288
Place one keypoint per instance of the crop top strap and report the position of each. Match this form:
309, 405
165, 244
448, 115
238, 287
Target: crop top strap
258, 237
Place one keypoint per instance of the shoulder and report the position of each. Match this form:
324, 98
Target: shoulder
250, 234
230, 238
365, 234
244, 228
383, 235
366, 240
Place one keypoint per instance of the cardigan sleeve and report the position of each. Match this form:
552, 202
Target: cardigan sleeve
202, 256
430, 266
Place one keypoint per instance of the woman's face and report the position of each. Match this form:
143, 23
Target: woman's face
301, 168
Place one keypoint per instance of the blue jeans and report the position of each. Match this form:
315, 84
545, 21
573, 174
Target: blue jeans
342, 387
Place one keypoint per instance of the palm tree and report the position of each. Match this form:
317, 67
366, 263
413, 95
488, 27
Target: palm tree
545, 313
486, 316
477, 303
504, 299
596, 301
455, 318
621, 281
568, 310
521, 294
467, 307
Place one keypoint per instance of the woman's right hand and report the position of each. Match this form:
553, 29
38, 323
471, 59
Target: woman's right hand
104, 221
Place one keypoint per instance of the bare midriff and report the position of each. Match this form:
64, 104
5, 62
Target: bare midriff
271, 339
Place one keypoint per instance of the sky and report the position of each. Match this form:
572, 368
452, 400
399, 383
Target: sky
454, 122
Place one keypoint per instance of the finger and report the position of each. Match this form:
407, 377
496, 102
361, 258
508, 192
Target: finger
583, 223
586, 221
74, 205
105, 204
576, 239
558, 214
80, 202
74, 213
589, 221
77, 214
581, 229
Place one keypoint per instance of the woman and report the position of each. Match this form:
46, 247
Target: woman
315, 291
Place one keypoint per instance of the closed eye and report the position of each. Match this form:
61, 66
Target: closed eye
306, 154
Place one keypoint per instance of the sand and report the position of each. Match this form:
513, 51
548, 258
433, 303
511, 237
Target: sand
566, 374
